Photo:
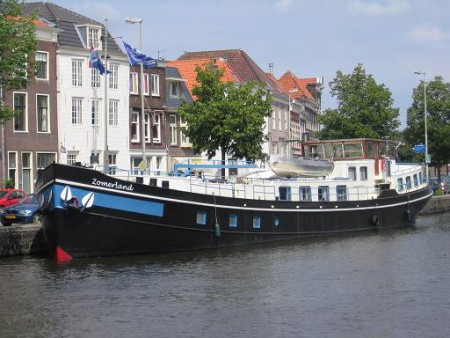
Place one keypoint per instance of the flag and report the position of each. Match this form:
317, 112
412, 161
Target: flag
137, 57
95, 62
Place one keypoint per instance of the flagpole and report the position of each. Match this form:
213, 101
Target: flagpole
105, 151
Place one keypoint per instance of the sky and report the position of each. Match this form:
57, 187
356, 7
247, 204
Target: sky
312, 38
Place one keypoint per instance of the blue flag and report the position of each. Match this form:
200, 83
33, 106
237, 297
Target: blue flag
95, 61
137, 57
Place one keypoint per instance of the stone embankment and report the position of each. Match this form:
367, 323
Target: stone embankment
28, 239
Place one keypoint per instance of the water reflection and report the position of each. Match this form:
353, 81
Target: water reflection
388, 284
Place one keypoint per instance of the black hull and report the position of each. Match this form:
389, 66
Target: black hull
172, 225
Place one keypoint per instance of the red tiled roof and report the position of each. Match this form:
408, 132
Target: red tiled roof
187, 70
289, 83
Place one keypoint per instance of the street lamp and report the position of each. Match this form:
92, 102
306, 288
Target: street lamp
134, 20
425, 119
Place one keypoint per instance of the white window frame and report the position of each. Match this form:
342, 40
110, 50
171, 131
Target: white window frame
94, 40
95, 78
12, 166
135, 126
113, 76
72, 156
185, 142
147, 127
146, 88
174, 89
155, 84
113, 112
156, 128
95, 111
172, 118
77, 72
40, 114
77, 111
134, 83
46, 157
42, 62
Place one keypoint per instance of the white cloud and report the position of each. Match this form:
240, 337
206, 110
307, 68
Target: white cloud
379, 7
283, 4
428, 32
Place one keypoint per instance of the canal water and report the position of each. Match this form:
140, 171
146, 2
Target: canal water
387, 284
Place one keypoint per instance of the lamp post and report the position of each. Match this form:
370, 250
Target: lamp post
425, 119
134, 20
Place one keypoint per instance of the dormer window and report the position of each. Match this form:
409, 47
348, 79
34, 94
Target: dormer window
91, 36
174, 89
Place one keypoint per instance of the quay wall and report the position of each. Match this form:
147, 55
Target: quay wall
28, 239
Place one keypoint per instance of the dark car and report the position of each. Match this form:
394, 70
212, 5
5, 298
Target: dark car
445, 184
434, 183
26, 211
10, 197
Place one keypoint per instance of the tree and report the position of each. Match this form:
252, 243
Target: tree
17, 47
226, 116
364, 108
438, 121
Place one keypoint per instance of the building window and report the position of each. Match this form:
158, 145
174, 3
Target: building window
114, 76
45, 159
134, 83
77, 72
305, 194
95, 110
147, 127
233, 221
155, 84
20, 109
146, 84
173, 129
112, 158
185, 142
42, 65
256, 222
174, 89
43, 121
94, 38
323, 193
135, 129
363, 173
113, 118
12, 166
156, 128
95, 78
77, 104
72, 157
341, 191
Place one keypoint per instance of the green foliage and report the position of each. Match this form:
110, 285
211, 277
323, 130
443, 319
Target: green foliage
438, 121
226, 116
364, 108
17, 47
9, 183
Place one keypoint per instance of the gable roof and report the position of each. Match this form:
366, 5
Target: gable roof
241, 64
296, 87
172, 74
66, 20
187, 70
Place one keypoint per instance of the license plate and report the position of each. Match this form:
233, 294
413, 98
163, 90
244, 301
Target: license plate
10, 216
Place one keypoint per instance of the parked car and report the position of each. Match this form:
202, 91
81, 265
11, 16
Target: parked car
26, 211
10, 197
445, 184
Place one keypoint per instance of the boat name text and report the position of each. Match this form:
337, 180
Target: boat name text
113, 185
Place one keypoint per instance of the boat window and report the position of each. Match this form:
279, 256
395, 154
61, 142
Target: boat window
363, 173
408, 182
352, 173
305, 194
400, 184
416, 182
353, 150
329, 150
285, 193
201, 217
370, 150
233, 221
341, 192
256, 222
323, 193
420, 177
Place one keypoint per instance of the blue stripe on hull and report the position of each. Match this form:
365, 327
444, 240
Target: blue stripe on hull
116, 202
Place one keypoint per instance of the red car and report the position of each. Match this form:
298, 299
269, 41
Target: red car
10, 197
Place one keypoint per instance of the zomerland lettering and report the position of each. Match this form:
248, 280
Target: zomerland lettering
112, 185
